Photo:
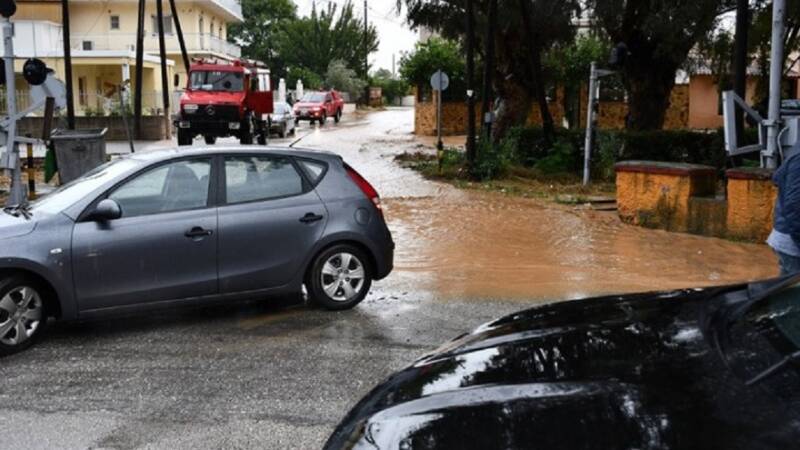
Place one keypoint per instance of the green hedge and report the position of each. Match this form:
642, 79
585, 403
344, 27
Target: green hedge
565, 154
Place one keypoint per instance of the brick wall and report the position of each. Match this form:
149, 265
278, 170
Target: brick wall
611, 114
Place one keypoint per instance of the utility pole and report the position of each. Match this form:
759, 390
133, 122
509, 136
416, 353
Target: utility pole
137, 93
740, 58
163, 52
366, 56
488, 71
775, 75
65, 36
470, 78
11, 158
179, 31
590, 110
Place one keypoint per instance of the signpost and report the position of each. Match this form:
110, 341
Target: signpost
439, 82
591, 117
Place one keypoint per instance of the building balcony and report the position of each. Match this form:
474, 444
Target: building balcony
196, 43
231, 10
36, 39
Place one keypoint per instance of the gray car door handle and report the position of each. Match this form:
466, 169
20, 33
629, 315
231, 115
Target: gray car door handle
310, 218
197, 232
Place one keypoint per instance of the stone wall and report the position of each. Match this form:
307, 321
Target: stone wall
611, 114
153, 128
682, 197
454, 118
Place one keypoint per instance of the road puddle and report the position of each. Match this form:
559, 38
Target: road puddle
474, 244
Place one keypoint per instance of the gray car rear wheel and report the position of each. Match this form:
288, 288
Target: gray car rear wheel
22, 314
340, 277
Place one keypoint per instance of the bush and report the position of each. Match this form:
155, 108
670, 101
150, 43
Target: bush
562, 158
493, 161
566, 154
531, 145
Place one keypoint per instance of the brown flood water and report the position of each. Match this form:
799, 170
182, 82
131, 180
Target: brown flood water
475, 244
469, 244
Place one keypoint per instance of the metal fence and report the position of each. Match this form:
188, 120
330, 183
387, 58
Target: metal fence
96, 104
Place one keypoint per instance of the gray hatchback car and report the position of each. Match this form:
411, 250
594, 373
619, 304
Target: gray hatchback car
173, 228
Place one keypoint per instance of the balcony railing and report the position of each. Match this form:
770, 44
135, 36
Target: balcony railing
195, 42
36, 39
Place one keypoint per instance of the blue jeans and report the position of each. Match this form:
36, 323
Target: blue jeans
789, 264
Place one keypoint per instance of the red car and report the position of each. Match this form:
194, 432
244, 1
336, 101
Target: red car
319, 106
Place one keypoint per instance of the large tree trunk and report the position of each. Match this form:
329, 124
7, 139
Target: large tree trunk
536, 70
515, 103
648, 97
541, 95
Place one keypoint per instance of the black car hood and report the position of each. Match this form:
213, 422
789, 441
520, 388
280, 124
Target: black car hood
614, 372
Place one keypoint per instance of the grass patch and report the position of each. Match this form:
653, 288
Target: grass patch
517, 180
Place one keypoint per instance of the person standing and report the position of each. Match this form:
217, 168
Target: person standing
785, 236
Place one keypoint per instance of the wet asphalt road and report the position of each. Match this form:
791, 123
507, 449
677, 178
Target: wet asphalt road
278, 374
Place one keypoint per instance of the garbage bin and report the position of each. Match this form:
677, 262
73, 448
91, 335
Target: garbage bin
78, 151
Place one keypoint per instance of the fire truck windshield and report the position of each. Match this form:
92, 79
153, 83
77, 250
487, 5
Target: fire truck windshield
210, 80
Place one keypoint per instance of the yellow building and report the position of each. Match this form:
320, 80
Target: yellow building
103, 45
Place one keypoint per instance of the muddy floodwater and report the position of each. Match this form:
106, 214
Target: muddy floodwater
490, 246
461, 244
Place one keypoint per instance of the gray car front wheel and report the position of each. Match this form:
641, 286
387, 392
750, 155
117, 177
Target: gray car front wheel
340, 278
22, 314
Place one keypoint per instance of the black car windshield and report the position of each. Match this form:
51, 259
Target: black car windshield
783, 309
210, 80
70, 193
313, 97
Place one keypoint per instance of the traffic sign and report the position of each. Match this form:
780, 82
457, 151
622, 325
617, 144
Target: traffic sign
440, 81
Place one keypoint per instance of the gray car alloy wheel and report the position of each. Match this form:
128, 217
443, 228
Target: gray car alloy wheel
21, 312
342, 277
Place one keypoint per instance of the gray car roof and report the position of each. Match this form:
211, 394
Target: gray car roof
165, 154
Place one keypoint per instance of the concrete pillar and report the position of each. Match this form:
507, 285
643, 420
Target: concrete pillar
282, 90
299, 93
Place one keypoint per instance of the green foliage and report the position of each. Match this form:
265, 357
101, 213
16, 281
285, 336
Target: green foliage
311, 43
659, 36
340, 77
562, 158
492, 161
570, 64
427, 57
530, 149
93, 112
263, 20
714, 53
393, 88
117, 109
760, 41
310, 79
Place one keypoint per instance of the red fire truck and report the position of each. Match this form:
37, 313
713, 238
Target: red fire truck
225, 99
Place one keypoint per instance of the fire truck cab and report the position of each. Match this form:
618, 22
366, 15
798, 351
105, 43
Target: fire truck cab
225, 99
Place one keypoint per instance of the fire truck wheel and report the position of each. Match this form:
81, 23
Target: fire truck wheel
323, 119
210, 140
338, 116
184, 138
262, 138
246, 138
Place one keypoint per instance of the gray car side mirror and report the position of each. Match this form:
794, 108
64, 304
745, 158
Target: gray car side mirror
106, 210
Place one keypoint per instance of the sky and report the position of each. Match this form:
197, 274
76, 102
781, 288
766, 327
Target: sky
394, 34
